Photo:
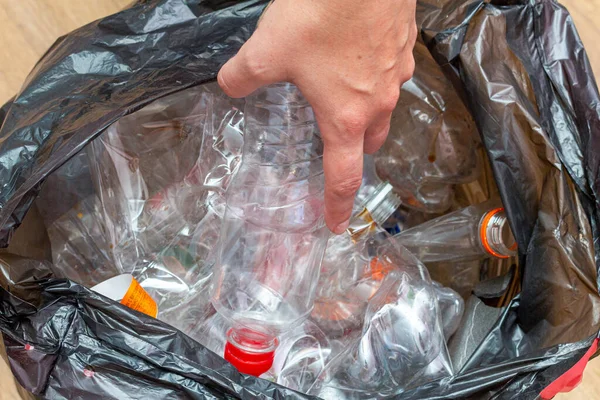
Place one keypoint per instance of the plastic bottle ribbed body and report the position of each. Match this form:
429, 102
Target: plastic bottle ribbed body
273, 234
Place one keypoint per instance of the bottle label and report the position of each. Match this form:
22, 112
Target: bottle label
126, 290
138, 299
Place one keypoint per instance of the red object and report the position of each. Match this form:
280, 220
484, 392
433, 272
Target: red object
88, 372
571, 378
248, 362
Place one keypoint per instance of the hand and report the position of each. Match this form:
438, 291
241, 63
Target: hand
349, 59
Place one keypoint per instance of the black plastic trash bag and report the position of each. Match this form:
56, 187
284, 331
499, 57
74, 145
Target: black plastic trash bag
520, 68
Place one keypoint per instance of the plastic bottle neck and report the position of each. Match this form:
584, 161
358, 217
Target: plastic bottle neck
378, 207
495, 234
370, 179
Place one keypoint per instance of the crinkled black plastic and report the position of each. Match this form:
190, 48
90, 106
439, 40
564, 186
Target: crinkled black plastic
104, 70
519, 66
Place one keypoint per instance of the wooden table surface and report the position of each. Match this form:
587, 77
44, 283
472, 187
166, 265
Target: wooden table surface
29, 27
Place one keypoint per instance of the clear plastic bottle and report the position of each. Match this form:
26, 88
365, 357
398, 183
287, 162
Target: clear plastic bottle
474, 232
370, 182
428, 197
300, 358
431, 145
452, 308
273, 233
402, 336
350, 275
301, 355
377, 207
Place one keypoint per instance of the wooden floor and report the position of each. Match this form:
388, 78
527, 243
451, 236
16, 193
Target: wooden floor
29, 27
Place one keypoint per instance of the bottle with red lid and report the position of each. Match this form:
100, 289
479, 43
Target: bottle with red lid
273, 234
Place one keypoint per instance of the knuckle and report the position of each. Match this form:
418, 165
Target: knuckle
414, 32
375, 140
408, 69
411, 37
223, 81
353, 121
346, 187
254, 64
389, 100
381, 135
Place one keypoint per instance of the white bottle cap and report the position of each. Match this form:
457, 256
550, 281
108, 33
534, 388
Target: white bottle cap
382, 203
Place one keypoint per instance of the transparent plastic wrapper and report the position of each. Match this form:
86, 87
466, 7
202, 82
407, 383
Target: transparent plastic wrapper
401, 338
431, 144
273, 234
472, 233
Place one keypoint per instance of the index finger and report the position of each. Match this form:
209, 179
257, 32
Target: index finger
342, 164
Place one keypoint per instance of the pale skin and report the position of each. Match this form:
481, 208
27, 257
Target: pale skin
349, 59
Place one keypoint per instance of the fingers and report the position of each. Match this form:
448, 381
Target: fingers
380, 126
376, 134
251, 68
342, 164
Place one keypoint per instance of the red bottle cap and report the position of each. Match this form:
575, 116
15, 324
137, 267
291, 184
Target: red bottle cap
251, 353
248, 362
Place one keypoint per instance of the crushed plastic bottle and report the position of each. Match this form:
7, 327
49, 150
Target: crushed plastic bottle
147, 198
273, 234
301, 357
431, 198
402, 341
431, 145
78, 243
350, 275
472, 233
211, 332
452, 308
370, 182
301, 354
461, 276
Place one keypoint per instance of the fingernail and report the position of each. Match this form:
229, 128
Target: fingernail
341, 227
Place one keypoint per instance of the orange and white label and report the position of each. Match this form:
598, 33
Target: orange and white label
138, 299
126, 290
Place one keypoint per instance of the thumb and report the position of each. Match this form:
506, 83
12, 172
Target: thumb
250, 69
